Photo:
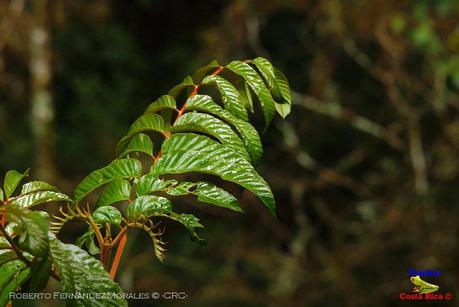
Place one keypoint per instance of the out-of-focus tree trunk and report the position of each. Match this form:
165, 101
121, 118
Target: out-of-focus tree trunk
42, 111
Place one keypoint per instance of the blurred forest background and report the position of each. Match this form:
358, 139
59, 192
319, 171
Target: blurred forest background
365, 169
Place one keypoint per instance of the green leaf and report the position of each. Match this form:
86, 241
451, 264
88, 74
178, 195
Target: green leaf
151, 183
139, 143
82, 273
244, 92
283, 86
249, 135
187, 83
39, 197
207, 193
4, 244
88, 240
283, 109
35, 186
197, 153
189, 221
12, 179
12, 275
231, 98
107, 215
145, 206
257, 84
199, 74
164, 102
32, 229
149, 122
184, 188
283, 89
277, 83
7, 256
120, 168
115, 191
267, 71
212, 126
1, 194
39, 275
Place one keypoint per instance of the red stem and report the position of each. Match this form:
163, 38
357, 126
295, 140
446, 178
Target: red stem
119, 253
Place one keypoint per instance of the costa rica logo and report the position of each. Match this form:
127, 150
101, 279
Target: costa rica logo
424, 290
421, 286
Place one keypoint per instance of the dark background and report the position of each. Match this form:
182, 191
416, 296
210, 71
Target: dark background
365, 169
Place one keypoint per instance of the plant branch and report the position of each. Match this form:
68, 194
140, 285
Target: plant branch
358, 122
118, 237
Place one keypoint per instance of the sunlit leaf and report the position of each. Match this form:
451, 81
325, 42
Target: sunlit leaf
255, 82
190, 152
140, 143
212, 126
107, 215
149, 122
12, 179
231, 98
249, 135
145, 206
39, 197
120, 168
151, 183
35, 186
164, 102
207, 193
